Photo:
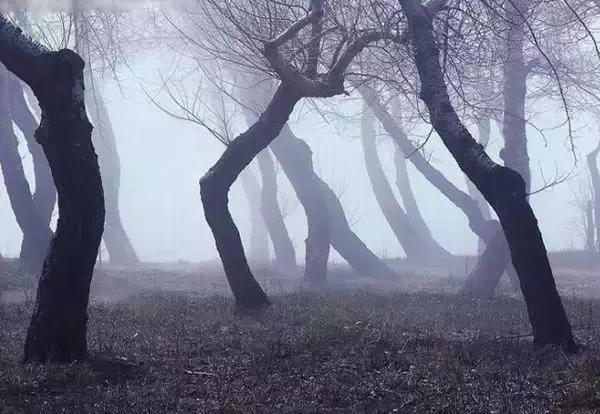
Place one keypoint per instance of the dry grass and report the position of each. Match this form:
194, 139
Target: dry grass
346, 351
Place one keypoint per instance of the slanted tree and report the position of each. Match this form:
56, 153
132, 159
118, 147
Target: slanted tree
502, 187
57, 331
44, 196
259, 237
36, 233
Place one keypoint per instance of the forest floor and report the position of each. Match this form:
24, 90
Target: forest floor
165, 339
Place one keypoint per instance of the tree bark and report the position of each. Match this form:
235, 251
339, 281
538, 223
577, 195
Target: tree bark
214, 189
259, 238
416, 246
36, 232
502, 187
118, 244
44, 196
285, 256
295, 158
58, 326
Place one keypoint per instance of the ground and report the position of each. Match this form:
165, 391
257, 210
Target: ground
167, 340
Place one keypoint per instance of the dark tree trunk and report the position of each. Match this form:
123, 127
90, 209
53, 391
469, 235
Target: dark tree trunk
502, 187
215, 186
285, 256
259, 238
36, 232
118, 245
416, 247
44, 196
295, 158
58, 326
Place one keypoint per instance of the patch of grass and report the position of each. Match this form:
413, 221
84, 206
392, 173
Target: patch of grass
346, 351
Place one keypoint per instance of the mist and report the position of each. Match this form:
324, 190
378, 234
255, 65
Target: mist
299, 205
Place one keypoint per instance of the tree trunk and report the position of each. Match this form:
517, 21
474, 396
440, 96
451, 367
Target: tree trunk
259, 238
592, 158
416, 247
477, 222
118, 245
58, 326
502, 187
36, 232
295, 158
484, 129
285, 256
343, 239
514, 154
44, 196
214, 189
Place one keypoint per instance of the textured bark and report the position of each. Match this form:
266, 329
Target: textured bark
36, 232
502, 187
259, 238
415, 244
214, 189
118, 245
295, 158
285, 256
58, 326
44, 196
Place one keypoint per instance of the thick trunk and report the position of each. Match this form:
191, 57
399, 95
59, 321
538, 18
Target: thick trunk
118, 245
259, 238
502, 187
416, 247
36, 231
58, 326
295, 158
44, 196
214, 189
285, 256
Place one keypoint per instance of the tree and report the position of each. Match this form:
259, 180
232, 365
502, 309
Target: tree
58, 326
503, 188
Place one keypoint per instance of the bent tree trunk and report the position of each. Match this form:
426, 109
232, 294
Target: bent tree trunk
58, 325
295, 158
502, 187
214, 189
259, 239
44, 196
285, 256
118, 245
35, 231
415, 245
343, 239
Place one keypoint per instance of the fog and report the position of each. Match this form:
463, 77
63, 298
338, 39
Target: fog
162, 160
